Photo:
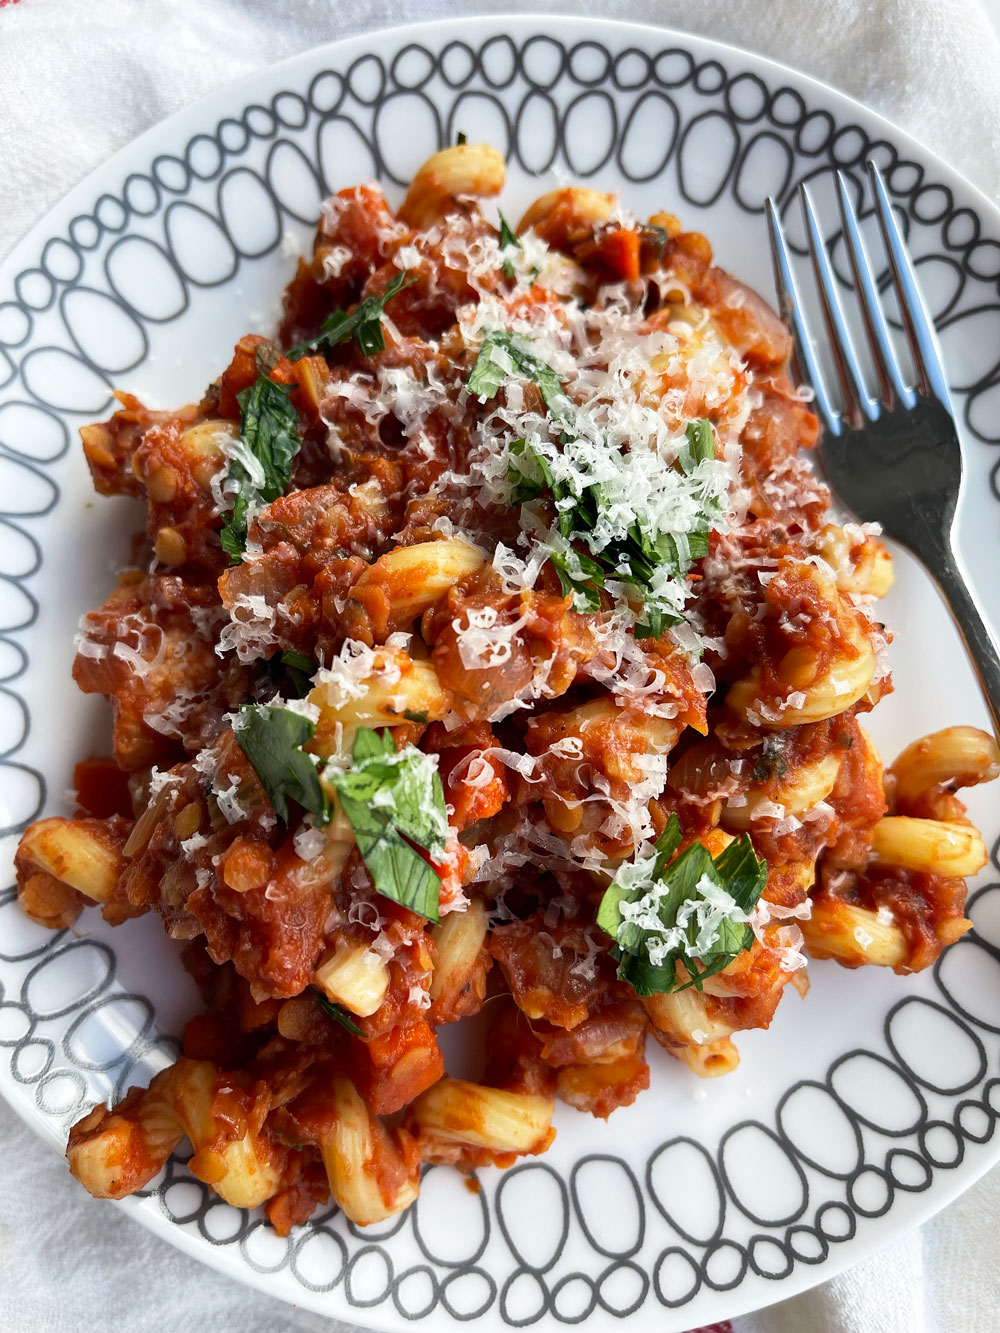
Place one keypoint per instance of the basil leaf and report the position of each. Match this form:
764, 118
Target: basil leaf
743, 875
530, 474
580, 575
508, 240
337, 1012
500, 357
364, 323
272, 740
262, 469
608, 914
653, 240
394, 802
300, 671
700, 443
490, 371
669, 840
688, 927
508, 236
645, 979
636, 557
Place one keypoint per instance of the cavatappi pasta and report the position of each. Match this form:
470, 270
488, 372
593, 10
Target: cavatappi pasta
489, 644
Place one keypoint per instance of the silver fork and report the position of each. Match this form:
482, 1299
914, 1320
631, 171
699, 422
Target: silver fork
893, 458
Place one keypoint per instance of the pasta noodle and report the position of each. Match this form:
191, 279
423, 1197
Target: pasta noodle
370, 1178
454, 1111
449, 177
956, 756
489, 648
114, 1153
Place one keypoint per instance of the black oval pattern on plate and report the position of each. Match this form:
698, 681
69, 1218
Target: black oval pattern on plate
182, 220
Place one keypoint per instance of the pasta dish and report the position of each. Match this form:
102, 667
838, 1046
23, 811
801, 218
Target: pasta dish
489, 646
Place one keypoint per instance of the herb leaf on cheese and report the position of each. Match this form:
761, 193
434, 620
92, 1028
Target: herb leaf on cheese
394, 802
364, 323
633, 548
508, 241
693, 911
261, 464
502, 355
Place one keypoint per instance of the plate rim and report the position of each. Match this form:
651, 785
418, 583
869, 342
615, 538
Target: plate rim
946, 1187
470, 23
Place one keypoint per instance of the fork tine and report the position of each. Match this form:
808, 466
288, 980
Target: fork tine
887, 367
794, 314
916, 317
857, 400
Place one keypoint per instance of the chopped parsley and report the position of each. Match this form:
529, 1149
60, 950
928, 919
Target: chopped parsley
272, 739
261, 465
508, 241
394, 802
364, 323
337, 1012
693, 911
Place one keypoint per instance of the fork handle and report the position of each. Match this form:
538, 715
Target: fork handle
978, 638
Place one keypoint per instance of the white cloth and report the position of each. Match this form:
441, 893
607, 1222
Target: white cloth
80, 78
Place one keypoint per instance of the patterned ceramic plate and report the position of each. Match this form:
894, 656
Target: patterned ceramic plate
867, 1106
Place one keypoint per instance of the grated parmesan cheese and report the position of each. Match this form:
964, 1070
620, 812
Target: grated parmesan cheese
347, 676
227, 799
251, 628
309, 842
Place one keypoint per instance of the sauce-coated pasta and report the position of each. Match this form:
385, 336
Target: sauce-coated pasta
489, 643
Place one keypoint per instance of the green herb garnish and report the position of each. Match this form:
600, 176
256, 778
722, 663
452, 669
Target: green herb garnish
580, 576
364, 323
300, 670
638, 557
529, 471
262, 468
502, 356
691, 911
394, 802
337, 1012
461, 139
653, 238
635, 528
700, 444
508, 241
771, 763
272, 739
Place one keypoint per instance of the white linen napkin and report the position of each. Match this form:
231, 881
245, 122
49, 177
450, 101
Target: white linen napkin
80, 78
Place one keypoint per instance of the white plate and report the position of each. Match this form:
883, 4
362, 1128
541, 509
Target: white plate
866, 1107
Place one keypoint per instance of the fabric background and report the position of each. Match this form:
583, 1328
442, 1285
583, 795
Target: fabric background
81, 78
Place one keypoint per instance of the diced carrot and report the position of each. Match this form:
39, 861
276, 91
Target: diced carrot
619, 251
